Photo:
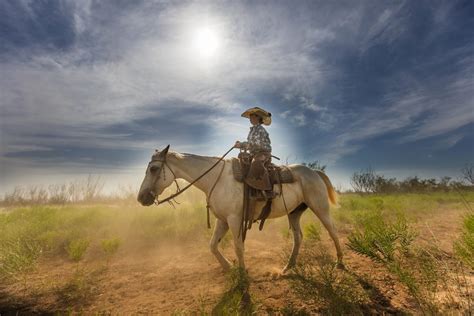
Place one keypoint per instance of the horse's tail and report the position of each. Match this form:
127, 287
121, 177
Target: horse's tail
331, 192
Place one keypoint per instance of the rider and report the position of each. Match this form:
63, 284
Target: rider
258, 144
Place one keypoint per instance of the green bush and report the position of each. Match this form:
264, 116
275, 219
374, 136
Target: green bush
312, 231
77, 248
18, 256
464, 246
390, 242
379, 239
110, 247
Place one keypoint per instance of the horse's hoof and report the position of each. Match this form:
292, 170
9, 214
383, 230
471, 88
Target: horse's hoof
286, 269
340, 266
276, 275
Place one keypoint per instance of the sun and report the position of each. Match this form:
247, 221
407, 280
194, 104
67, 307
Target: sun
206, 42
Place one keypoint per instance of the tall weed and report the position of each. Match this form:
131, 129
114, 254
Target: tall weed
390, 243
464, 246
18, 256
77, 248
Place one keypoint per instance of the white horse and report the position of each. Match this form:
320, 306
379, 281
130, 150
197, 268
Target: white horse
311, 189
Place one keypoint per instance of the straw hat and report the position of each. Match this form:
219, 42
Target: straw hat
266, 116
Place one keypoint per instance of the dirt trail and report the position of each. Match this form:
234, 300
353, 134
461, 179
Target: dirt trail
187, 278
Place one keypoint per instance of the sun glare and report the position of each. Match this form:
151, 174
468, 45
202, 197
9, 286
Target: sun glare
206, 42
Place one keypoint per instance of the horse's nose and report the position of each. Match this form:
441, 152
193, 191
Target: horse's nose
146, 197
142, 197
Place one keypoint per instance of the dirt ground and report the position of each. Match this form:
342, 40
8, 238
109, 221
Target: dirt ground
186, 278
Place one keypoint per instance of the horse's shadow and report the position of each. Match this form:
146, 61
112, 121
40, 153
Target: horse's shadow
378, 302
237, 300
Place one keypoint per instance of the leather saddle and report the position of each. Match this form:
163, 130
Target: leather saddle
278, 175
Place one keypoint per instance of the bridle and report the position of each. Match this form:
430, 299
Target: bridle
170, 199
163, 170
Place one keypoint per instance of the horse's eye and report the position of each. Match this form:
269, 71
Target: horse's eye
153, 168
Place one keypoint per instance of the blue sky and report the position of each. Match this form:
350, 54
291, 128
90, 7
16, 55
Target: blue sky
93, 87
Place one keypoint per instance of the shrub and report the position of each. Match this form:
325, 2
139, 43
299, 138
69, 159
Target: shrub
315, 165
18, 256
390, 243
110, 247
58, 194
77, 248
468, 173
464, 246
312, 231
363, 181
381, 240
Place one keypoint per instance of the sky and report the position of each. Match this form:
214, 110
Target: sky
94, 87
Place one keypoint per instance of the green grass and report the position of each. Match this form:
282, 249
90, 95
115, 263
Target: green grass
110, 246
77, 248
464, 246
416, 206
389, 241
312, 231
378, 226
71, 231
379, 238
381, 228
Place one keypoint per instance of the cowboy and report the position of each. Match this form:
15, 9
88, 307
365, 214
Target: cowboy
258, 144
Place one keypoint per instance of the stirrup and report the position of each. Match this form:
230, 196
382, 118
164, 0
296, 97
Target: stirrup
258, 198
269, 195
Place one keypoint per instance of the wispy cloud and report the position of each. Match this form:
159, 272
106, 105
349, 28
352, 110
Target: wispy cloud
73, 94
424, 109
109, 77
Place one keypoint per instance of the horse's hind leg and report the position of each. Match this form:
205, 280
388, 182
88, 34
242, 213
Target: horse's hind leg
294, 219
220, 230
320, 207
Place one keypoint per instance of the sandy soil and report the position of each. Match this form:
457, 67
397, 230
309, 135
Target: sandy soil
187, 278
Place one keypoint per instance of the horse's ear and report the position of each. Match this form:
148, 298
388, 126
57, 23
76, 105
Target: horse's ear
165, 151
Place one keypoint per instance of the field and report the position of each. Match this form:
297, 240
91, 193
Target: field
404, 253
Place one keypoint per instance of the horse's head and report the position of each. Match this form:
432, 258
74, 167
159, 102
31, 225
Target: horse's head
158, 177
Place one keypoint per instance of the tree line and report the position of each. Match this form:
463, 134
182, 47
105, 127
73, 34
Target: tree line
369, 181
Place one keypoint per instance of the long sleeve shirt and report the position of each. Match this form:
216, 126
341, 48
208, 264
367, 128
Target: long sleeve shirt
258, 140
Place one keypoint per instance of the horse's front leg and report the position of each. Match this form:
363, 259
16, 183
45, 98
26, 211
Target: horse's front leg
234, 224
220, 230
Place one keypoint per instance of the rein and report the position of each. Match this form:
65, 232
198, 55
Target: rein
179, 191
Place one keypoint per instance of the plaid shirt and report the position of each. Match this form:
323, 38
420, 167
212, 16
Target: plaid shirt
258, 140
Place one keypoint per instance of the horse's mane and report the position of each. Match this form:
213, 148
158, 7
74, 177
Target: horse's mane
185, 155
